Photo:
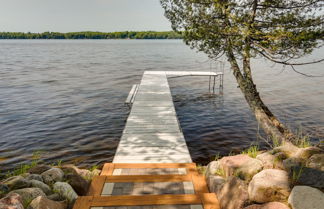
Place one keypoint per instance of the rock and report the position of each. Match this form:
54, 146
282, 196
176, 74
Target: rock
16, 182
28, 194
39, 169
270, 161
72, 169
38, 184
316, 162
55, 197
4, 189
215, 183
269, 185
291, 162
242, 165
44, 203
270, 205
248, 169
11, 201
306, 153
35, 177
267, 160
212, 168
52, 175
287, 149
79, 184
233, 194
65, 190
95, 172
309, 177
304, 197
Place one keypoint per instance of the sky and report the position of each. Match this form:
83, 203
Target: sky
81, 15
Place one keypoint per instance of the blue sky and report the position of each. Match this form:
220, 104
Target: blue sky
81, 15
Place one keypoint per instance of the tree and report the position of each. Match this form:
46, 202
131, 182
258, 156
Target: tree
278, 30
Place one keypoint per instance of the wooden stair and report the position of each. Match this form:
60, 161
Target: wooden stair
193, 192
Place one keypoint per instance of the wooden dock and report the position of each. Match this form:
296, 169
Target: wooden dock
152, 133
152, 167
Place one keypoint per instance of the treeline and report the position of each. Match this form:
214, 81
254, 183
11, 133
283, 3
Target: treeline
93, 35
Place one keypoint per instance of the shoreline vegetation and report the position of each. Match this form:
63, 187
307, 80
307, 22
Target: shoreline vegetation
93, 35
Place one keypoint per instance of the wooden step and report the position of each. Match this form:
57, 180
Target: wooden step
101, 189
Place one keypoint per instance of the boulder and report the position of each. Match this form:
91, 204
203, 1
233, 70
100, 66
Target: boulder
4, 189
287, 149
52, 175
309, 177
39, 169
16, 182
38, 184
34, 177
269, 185
242, 165
212, 168
306, 153
291, 162
72, 169
11, 201
268, 160
248, 169
233, 194
28, 194
304, 197
316, 162
55, 197
270, 205
96, 172
79, 184
215, 183
65, 190
44, 203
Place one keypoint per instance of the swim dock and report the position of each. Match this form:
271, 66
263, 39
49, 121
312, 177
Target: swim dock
152, 167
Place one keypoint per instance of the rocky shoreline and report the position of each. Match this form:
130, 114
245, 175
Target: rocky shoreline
282, 178
44, 186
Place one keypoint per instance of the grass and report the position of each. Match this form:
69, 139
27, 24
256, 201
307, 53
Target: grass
252, 151
296, 173
201, 169
94, 167
302, 139
220, 172
23, 168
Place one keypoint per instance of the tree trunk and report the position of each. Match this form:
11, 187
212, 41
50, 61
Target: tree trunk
270, 124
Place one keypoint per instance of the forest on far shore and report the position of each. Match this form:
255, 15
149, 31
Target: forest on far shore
93, 35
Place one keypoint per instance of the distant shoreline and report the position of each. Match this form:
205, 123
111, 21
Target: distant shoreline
93, 35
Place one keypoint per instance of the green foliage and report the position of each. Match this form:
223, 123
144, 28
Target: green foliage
93, 35
217, 156
94, 167
302, 140
252, 151
280, 30
220, 172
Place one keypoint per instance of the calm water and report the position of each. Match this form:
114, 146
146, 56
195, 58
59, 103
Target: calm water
66, 98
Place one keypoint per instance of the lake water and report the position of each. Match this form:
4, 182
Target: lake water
66, 99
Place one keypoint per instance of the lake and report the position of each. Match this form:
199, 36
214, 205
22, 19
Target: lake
65, 98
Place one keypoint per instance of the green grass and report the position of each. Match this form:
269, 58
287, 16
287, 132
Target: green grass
252, 151
94, 167
220, 172
302, 140
217, 156
296, 173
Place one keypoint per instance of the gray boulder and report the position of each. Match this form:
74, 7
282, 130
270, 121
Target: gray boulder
38, 184
309, 177
304, 197
39, 169
65, 190
34, 177
28, 194
79, 184
16, 182
316, 162
215, 183
52, 175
